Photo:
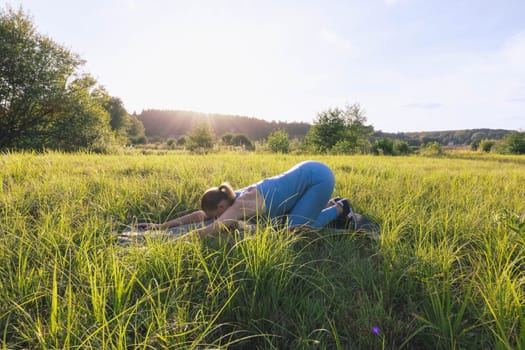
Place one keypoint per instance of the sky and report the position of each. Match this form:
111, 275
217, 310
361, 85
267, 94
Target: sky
412, 65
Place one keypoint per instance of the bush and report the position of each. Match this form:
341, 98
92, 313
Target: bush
401, 147
486, 145
384, 146
182, 141
171, 143
242, 141
279, 142
513, 143
202, 138
431, 149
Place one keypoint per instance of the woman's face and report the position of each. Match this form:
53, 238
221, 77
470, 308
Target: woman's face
221, 208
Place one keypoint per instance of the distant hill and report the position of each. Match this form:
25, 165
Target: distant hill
450, 137
164, 124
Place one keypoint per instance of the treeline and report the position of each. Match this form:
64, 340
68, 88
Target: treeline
445, 138
334, 131
162, 125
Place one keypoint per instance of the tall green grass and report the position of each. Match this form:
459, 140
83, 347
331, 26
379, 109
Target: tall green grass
447, 272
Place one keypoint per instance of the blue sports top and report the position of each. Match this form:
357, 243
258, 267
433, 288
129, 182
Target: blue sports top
282, 192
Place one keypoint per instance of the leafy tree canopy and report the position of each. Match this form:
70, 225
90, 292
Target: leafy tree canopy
201, 138
34, 75
279, 141
345, 128
45, 102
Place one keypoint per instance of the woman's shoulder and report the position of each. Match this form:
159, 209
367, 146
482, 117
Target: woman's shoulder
247, 192
250, 199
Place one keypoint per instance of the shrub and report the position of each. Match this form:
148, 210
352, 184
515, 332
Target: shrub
279, 141
514, 143
486, 145
401, 147
384, 146
431, 149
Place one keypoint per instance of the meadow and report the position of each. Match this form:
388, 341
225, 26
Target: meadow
448, 271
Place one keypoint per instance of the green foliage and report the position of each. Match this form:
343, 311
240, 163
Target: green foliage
45, 103
384, 146
136, 131
126, 128
431, 149
387, 146
239, 140
85, 125
183, 140
279, 141
342, 147
475, 145
227, 138
513, 143
328, 129
344, 126
171, 143
466, 137
201, 139
242, 141
401, 147
486, 145
34, 72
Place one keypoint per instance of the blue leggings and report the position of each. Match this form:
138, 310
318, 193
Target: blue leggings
300, 194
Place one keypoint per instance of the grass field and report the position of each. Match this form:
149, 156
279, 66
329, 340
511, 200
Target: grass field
447, 273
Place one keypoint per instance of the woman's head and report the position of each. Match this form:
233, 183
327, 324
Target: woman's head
217, 199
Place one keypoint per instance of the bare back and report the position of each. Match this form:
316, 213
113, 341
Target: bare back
248, 204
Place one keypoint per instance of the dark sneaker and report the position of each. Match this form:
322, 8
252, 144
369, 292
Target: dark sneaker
347, 216
333, 201
365, 224
345, 204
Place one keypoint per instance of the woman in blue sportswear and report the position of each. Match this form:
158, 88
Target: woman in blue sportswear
301, 195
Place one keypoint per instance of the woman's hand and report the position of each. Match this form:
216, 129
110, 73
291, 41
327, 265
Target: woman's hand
149, 226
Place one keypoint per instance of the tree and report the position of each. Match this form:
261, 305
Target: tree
384, 146
136, 131
201, 138
343, 127
474, 145
243, 141
227, 138
34, 74
126, 128
431, 149
486, 145
84, 124
183, 141
327, 130
118, 116
514, 143
401, 147
279, 141
44, 101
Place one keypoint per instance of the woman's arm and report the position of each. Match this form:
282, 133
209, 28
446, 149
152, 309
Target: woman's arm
215, 228
243, 207
196, 216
